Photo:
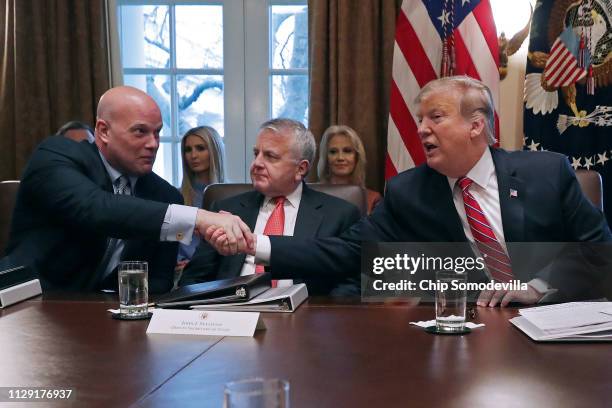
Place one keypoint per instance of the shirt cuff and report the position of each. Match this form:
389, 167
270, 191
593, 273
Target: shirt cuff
179, 224
263, 250
541, 286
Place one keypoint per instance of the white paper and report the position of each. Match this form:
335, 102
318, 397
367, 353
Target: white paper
428, 323
569, 318
204, 323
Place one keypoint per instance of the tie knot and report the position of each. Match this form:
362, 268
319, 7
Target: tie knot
465, 183
278, 201
122, 184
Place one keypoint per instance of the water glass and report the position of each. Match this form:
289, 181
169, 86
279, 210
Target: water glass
450, 300
133, 289
256, 393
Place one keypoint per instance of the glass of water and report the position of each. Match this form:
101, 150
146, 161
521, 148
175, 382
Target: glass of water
450, 300
256, 392
133, 289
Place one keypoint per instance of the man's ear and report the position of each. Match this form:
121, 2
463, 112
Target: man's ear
477, 126
102, 130
303, 167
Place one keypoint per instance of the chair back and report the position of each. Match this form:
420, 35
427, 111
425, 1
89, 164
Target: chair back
590, 183
8, 195
355, 195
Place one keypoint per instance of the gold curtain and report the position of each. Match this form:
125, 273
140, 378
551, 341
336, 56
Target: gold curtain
53, 68
351, 55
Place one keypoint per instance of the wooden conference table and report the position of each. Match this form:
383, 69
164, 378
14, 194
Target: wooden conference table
333, 354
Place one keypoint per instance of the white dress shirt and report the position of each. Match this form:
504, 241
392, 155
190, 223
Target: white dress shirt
486, 192
263, 249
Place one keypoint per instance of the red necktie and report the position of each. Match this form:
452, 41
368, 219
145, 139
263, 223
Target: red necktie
494, 255
274, 226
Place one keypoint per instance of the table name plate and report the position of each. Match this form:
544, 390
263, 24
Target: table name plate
205, 323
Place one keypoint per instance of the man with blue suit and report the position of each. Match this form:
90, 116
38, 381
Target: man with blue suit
468, 191
83, 207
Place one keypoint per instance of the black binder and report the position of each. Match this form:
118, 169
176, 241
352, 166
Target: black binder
240, 289
15, 276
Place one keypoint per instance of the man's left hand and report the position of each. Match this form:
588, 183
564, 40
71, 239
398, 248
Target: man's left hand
492, 298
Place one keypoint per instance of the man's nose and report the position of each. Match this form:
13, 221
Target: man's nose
152, 142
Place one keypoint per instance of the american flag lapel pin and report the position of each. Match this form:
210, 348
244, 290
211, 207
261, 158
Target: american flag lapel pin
513, 193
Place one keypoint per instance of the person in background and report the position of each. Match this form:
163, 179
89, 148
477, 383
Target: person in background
77, 131
342, 160
203, 157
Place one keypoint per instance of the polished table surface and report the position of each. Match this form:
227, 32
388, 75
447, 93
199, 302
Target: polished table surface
333, 354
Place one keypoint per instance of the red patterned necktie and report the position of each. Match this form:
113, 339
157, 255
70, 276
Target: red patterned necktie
498, 263
274, 226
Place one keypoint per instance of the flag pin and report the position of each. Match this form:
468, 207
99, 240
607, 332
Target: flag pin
513, 193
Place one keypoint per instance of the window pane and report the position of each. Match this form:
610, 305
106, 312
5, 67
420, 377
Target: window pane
200, 100
289, 36
145, 36
158, 87
290, 97
179, 166
163, 162
199, 36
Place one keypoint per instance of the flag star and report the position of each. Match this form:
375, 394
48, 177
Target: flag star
576, 163
588, 163
542, 149
602, 158
524, 141
463, 2
533, 146
444, 18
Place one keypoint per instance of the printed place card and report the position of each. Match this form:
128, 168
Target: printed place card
205, 323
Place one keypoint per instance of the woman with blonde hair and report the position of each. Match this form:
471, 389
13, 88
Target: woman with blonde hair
203, 157
342, 160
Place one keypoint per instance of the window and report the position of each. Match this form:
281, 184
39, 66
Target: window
229, 64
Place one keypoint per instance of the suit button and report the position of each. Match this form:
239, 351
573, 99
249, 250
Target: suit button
179, 236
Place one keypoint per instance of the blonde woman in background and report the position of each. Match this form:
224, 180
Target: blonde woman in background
203, 157
342, 160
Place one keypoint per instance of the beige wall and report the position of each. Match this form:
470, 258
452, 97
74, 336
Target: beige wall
511, 101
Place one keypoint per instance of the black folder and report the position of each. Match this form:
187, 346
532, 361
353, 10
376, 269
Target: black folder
15, 276
240, 289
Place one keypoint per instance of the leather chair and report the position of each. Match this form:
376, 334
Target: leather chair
590, 183
353, 194
8, 195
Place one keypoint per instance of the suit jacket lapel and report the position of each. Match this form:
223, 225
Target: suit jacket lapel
440, 193
308, 216
511, 198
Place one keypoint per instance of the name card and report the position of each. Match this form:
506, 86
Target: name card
205, 323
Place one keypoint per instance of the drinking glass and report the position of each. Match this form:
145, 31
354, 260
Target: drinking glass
256, 393
450, 300
133, 289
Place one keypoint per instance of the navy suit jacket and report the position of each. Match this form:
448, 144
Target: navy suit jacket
66, 212
319, 215
548, 206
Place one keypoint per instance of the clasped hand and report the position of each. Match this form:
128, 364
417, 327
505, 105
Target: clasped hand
226, 232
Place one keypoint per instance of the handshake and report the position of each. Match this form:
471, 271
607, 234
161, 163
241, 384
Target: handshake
225, 232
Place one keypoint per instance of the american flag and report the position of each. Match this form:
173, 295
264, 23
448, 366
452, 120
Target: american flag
562, 68
417, 59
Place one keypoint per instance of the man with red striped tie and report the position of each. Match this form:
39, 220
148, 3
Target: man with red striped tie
470, 191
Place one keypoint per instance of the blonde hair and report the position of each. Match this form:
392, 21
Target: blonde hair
358, 176
216, 169
475, 99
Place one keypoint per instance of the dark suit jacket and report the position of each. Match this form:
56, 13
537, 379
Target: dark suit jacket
418, 207
319, 215
66, 211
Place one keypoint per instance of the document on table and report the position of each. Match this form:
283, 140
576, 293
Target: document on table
576, 321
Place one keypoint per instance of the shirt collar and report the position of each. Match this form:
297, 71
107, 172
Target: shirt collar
293, 198
481, 173
114, 174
